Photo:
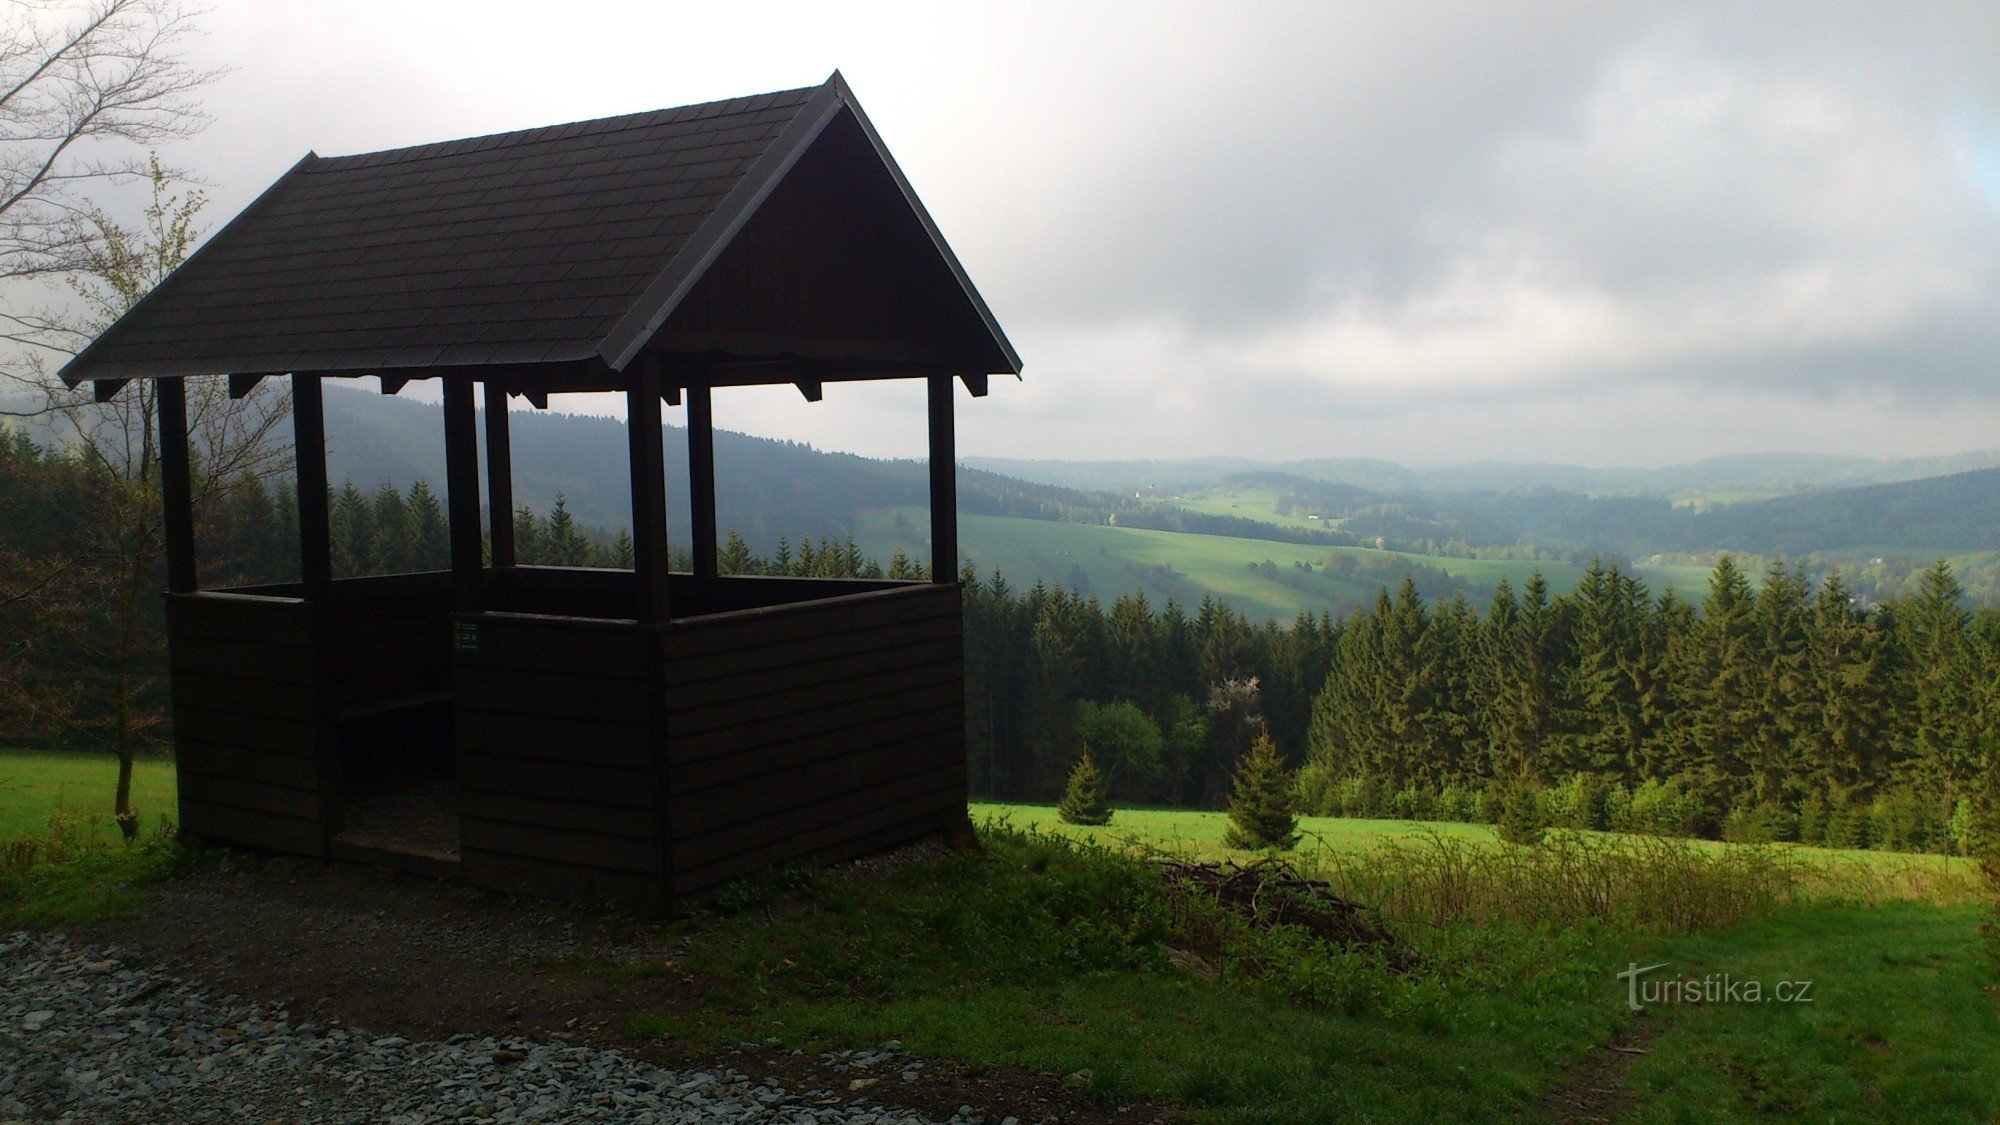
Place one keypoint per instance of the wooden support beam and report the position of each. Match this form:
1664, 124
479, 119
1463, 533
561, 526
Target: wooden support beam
649, 495
499, 477
461, 475
240, 386
813, 389
944, 483
976, 384
394, 384
701, 478
104, 390
537, 399
670, 393
177, 487
309, 454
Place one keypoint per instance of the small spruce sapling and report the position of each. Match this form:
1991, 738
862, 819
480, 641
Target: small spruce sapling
1522, 819
1261, 803
1084, 800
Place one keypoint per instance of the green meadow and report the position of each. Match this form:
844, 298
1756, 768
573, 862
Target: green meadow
76, 788
1108, 561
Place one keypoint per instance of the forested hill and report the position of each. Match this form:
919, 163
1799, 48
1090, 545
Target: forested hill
1941, 515
765, 489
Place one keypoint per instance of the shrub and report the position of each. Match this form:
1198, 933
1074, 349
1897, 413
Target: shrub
1411, 802
1847, 824
1759, 822
1964, 827
1083, 800
1457, 803
1261, 813
1904, 820
1985, 841
1812, 818
1577, 803
1618, 808
1523, 820
1317, 792
1666, 808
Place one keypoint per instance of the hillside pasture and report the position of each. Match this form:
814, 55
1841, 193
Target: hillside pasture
38, 787
1107, 562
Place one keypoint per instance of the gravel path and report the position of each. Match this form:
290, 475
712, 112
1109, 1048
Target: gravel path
88, 1036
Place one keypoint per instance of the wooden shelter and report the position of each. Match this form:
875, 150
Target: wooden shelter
632, 735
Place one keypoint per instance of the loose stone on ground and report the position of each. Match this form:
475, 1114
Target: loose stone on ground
88, 1035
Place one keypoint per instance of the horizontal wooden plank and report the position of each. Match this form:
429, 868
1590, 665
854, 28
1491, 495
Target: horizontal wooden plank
840, 769
912, 671
704, 636
632, 821
252, 732
216, 759
826, 646
689, 777
197, 655
829, 814
233, 617
240, 696
558, 738
891, 655
575, 781
561, 845
522, 692
859, 833
642, 894
927, 822
372, 638
621, 649
229, 824
761, 730
367, 685
242, 793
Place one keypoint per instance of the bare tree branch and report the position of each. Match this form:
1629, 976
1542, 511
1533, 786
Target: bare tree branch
73, 78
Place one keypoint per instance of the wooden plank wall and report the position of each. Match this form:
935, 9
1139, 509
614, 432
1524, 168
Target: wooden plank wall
248, 725
388, 638
558, 758
816, 731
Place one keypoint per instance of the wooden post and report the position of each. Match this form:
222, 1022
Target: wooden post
309, 453
701, 478
499, 477
649, 493
177, 487
944, 483
461, 475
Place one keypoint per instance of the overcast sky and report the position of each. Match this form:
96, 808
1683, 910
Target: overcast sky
1601, 233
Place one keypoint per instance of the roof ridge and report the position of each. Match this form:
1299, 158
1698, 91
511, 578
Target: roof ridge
615, 123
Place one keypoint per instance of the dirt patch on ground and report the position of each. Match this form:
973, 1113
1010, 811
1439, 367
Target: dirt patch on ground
432, 958
1594, 1089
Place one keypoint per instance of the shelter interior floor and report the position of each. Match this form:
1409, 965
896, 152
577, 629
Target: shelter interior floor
419, 823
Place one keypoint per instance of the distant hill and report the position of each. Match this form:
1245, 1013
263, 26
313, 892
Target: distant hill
1528, 515
765, 489
1940, 515
1753, 472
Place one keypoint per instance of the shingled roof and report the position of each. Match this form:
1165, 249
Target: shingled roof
567, 245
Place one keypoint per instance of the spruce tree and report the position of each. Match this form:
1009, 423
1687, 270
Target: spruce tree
1261, 805
1083, 801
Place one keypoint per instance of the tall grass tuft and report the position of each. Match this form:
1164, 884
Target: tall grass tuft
78, 872
1634, 883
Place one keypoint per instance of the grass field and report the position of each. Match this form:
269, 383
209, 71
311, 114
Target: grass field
1198, 833
1108, 561
35, 786
1057, 949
